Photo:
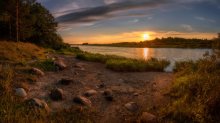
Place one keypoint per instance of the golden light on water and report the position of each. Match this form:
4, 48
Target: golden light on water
146, 53
146, 36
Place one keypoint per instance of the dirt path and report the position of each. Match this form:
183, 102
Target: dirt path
144, 88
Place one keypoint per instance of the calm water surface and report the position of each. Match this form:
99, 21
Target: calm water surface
171, 54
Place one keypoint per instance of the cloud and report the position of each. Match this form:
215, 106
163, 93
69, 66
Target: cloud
187, 27
205, 19
101, 12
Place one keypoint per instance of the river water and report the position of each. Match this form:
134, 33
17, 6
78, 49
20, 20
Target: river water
171, 54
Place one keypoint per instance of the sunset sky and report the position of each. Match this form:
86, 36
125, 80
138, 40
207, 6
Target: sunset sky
109, 21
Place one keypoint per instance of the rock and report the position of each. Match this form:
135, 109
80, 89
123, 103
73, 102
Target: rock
37, 71
56, 94
35, 102
82, 100
108, 95
20, 92
90, 93
102, 85
147, 118
131, 106
136, 94
66, 81
80, 66
60, 64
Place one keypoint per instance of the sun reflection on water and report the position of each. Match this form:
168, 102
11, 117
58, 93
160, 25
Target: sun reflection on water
146, 53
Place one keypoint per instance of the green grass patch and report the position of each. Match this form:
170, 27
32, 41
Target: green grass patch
46, 65
118, 63
136, 65
68, 50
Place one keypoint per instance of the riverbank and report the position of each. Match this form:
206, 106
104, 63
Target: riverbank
63, 88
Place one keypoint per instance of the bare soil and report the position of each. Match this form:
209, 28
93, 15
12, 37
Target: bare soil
144, 88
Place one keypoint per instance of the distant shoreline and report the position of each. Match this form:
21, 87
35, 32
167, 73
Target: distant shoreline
162, 43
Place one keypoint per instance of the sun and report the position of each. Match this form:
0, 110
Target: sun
146, 36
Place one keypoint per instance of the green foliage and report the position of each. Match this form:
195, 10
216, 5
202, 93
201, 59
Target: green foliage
36, 24
195, 92
118, 63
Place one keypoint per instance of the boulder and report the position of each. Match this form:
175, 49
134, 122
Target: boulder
108, 95
20, 92
56, 94
131, 106
147, 118
90, 93
37, 71
35, 102
66, 81
80, 66
82, 100
60, 64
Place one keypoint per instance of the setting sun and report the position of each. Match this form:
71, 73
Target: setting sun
146, 37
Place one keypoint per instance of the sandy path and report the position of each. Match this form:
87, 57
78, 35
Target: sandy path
148, 86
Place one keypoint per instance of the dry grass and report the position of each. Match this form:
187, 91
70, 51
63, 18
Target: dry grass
20, 52
195, 93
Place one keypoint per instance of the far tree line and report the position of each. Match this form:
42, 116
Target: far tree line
28, 21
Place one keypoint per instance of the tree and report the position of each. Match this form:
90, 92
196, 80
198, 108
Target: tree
28, 21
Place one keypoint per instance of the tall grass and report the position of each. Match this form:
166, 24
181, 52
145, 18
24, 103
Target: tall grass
195, 92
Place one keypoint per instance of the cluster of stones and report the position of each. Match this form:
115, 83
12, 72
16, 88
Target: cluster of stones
57, 94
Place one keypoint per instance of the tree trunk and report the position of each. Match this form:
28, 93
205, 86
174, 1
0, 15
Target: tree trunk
17, 21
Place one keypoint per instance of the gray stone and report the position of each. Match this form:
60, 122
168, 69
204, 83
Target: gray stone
20, 92
90, 93
131, 106
82, 100
35, 102
148, 118
60, 64
38, 71
56, 94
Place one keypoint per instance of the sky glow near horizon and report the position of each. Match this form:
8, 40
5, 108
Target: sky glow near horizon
111, 21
